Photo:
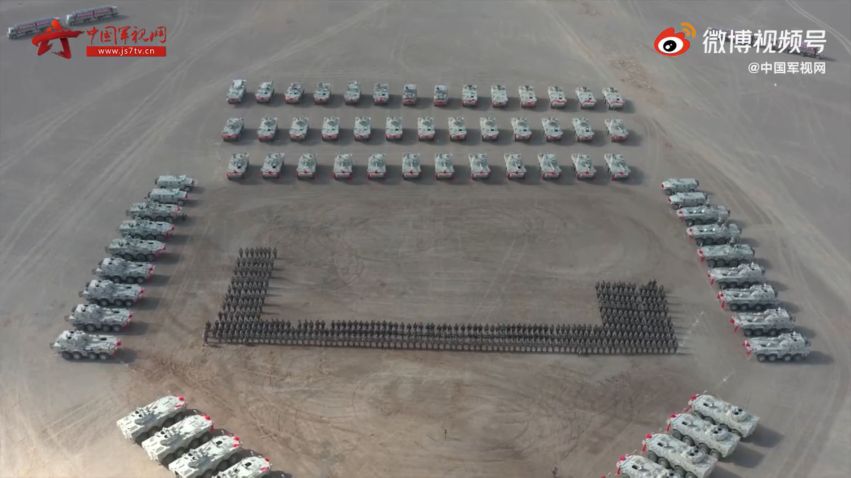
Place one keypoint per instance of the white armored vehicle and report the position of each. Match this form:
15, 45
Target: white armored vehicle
135, 249
585, 97
443, 167
557, 98
144, 229
522, 131
679, 185
363, 128
411, 166
217, 454
29, 28
306, 168
637, 466
457, 128
479, 168
618, 169
745, 274
441, 95
237, 166
298, 128
142, 422
706, 214
585, 169
322, 93
106, 293
343, 166
265, 92
613, 98
582, 128
489, 130
514, 167
330, 128
273, 164
236, 92
550, 168
170, 443
425, 128
352, 94
710, 234
694, 198
409, 94
169, 181
686, 461
119, 270
709, 438
268, 128
233, 129
393, 128
76, 345
250, 467
528, 98
787, 347
470, 95
725, 255
717, 411
616, 129
294, 93
552, 129
380, 93
156, 211
769, 322
756, 297
376, 167
91, 15
92, 318
499, 96
168, 196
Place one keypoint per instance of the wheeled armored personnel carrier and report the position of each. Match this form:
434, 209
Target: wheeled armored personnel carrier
135, 249
583, 165
499, 96
550, 168
233, 129
268, 128
522, 131
528, 98
638, 466
322, 93
552, 129
618, 169
236, 91
690, 199
745, 274
679, 185
294, 93
216, 454
685, 460
725, 255
443, 167
769, 322
787, 347
76, 345
106, 293
756, 297
343, 166
393, 128
144, 229
411, 166
409, 94
489, 130
298, 128
92, 318
706, 214
330, 128
144, 421
352, 94
514, 167
709, 438
250, 467
29, 27
150, 210
470, 95
457, 128
265, 92
613, 98
441, 95
557, 98
170, 443
273, 165
376, 166
585, 97
306, 168
170, 181
425, 128
380, 93
479, 168
363, 128
717, 411
119, 270
237, 166
168, 196
87, 15
616, 129
582, 128
712, 234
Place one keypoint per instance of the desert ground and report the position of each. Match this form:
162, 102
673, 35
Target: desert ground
82, 139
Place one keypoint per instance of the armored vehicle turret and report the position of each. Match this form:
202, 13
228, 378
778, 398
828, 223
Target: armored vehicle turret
117, 269
151, 210
76, 345
218, 453
273, 165
616, 164
322, 93
92, 318
616, 129
514, 167
469, 95
709, 234
528, 98
717, 411
637, 466
557, 98
706, 214
686, 461
787, 347
343, 167
549, 166
236, 91
135, 249
106, 293
381, 93
679, 185
441, 95
268, 128
725, 255
488, 128
769, 322
709, 438
237, 166
409, 94
250, 467
582, 129
265, 92
363, 128
352, 94
479, 168
552, 129
457, 128
522, 131
168, 196
585, 169
690, 199
613, 98
330, 128
443, 167
411, 166
376, 167
585, 97
499, 96
745, 274
144, 229
233, 129
171, 442
170, 181
756, 297
142, 422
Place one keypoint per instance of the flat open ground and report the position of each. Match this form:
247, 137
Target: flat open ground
81, 139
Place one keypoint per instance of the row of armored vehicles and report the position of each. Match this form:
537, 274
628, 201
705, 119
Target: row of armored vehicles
499, 95
186, 442
743, 288
76, 17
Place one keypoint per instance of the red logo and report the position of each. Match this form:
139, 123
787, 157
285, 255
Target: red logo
55, 32
673, 43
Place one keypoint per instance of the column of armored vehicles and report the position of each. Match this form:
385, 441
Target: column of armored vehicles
187, 443
76, 17
118, 277
757, 312
693, 441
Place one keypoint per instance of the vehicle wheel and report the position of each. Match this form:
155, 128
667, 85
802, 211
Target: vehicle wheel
67, 355
760, 357
76, 355
103, 356
787, 358
699, 243
715, 454
772, 358
160, 218
128, 303
688, 441
116, 328
703, 448
679, 470
652, 456
140, 280
103, 303
180, 203
734, 307
89, 328
676, 434
663, 462
149, 258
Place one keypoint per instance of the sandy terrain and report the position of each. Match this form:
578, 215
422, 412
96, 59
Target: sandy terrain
81, 139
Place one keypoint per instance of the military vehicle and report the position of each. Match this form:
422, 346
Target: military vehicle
585, 97
690, 199
582, 128
119, 270
556, 96
686, 461
343, 166
787, 347
87, 15
168, 196
725, 255
376, 167
457, 128
273, 165
470, 95
411, 166
294, 93
769, 322
92, 318
330, 128
236, 92
352, 94
298, 128
443, 167
306, 168
268, 128
711, 234
756, 297
583, 165
488, 128
363, 128
135, 249
528, 99
679, 185
736, 419
479, 168
550, 168
233, 129
143, 422
250, 467
499, 96
743, 275
613, 98
514, 167
105, 293
182, 181
552, 129
706, 214
150, 210
425, 128
265, 92
380, 93
393, 128
618, 169
637, 466
217, 454
441, 95
322, 93
616, 129
29, 28
171, 442
76, 345
522, 131
144, 229
409, 94
709, 438
237, 166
